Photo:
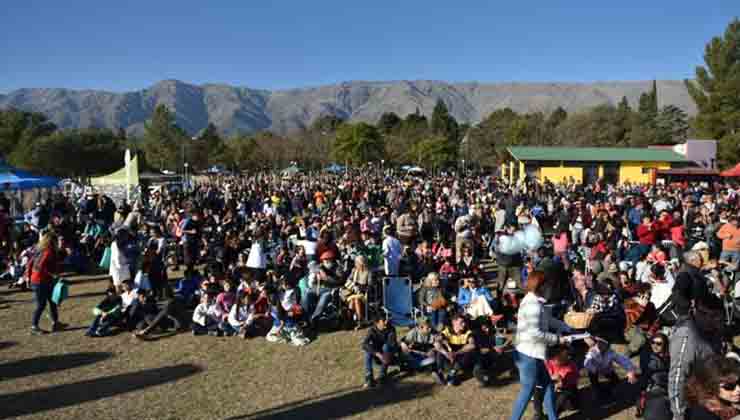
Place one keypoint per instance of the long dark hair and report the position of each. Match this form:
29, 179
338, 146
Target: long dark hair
703, 385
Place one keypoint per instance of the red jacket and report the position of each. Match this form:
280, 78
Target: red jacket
43, 267
647, 235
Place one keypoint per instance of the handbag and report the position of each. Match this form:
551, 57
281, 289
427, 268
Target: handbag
578, 320
105, 259
60, 291
439, 303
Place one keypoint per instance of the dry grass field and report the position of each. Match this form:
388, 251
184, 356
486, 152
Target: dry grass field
69, 376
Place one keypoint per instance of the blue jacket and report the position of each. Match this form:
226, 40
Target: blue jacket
465, 296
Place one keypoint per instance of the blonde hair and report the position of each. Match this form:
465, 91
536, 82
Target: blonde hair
46, 240
361, 260
430, 277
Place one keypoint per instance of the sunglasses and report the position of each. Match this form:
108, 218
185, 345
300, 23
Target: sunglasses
731, 386
658, 343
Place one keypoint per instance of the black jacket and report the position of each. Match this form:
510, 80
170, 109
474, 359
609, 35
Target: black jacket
376, 339
654, 370
691, 286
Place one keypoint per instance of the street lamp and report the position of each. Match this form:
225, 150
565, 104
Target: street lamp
186, 176
463, 162
382, 166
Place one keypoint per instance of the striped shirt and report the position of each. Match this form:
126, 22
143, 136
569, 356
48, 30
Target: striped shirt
532, 336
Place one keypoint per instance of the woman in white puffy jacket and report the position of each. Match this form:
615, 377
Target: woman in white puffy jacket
119, 270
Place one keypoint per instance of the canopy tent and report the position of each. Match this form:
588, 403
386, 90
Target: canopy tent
335, 168
121, 176
732, 172
16, 179
415, 170
291, 170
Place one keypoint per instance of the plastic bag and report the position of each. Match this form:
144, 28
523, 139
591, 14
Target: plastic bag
105, 259
532, 238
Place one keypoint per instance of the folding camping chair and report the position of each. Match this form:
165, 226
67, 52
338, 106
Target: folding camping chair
398, 301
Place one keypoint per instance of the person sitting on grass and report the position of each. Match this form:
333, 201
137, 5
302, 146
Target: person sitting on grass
488, 351
244, 314
285, 328
224, 302
417, 346
564, 374
107, 313
379, 346
455, 351
206, 317
600, 361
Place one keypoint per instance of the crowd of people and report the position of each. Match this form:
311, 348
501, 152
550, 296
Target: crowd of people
651, 268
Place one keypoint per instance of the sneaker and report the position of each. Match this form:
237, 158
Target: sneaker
213, 333
452, 379
369, 383
438, 377
59, 326
37, 331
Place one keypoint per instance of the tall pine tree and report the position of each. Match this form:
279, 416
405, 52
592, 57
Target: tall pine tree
716, 92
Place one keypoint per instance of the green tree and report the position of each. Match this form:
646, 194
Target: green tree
556, 117
164, 140
20, 127
671, 125
389, 122
209, 148
489, 138
435, 151
358, 143
86, 152
443, 123
716, 92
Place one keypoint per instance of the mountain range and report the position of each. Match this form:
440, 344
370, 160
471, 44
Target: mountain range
243, 110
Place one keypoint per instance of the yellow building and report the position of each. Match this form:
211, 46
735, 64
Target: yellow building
587, 164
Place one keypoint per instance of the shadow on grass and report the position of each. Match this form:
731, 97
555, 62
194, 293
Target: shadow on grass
344, 403
45, 364
51, 398
623, 398
5, 344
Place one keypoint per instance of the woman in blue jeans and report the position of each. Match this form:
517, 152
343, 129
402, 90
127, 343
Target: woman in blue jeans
532, 340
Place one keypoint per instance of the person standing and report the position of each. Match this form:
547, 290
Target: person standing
532, 339
42, 269
391, 252
729, 233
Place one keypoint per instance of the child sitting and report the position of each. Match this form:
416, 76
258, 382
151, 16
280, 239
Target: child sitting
107, 313
600, 361
206, 317
488, 347
379, 346
417, 346
243, 315
285, 329
564, 374
224, 301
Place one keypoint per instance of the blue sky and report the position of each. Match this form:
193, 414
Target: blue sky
132, 44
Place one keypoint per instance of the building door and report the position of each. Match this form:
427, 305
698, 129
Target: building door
611, 173
590, 174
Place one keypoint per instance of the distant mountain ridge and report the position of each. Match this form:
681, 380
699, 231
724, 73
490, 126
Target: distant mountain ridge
244, 110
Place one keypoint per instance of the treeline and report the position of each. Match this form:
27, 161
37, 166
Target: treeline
30, 140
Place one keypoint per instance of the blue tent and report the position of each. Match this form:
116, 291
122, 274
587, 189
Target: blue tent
16, 179
335, 168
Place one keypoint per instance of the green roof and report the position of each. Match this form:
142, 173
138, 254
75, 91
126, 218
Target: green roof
595, 154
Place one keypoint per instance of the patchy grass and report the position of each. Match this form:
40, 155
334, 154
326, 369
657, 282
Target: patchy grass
69, 376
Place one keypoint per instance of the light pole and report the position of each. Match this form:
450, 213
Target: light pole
382, 167
186, 177
463, 162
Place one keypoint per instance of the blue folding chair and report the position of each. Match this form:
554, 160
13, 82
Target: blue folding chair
398, 301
